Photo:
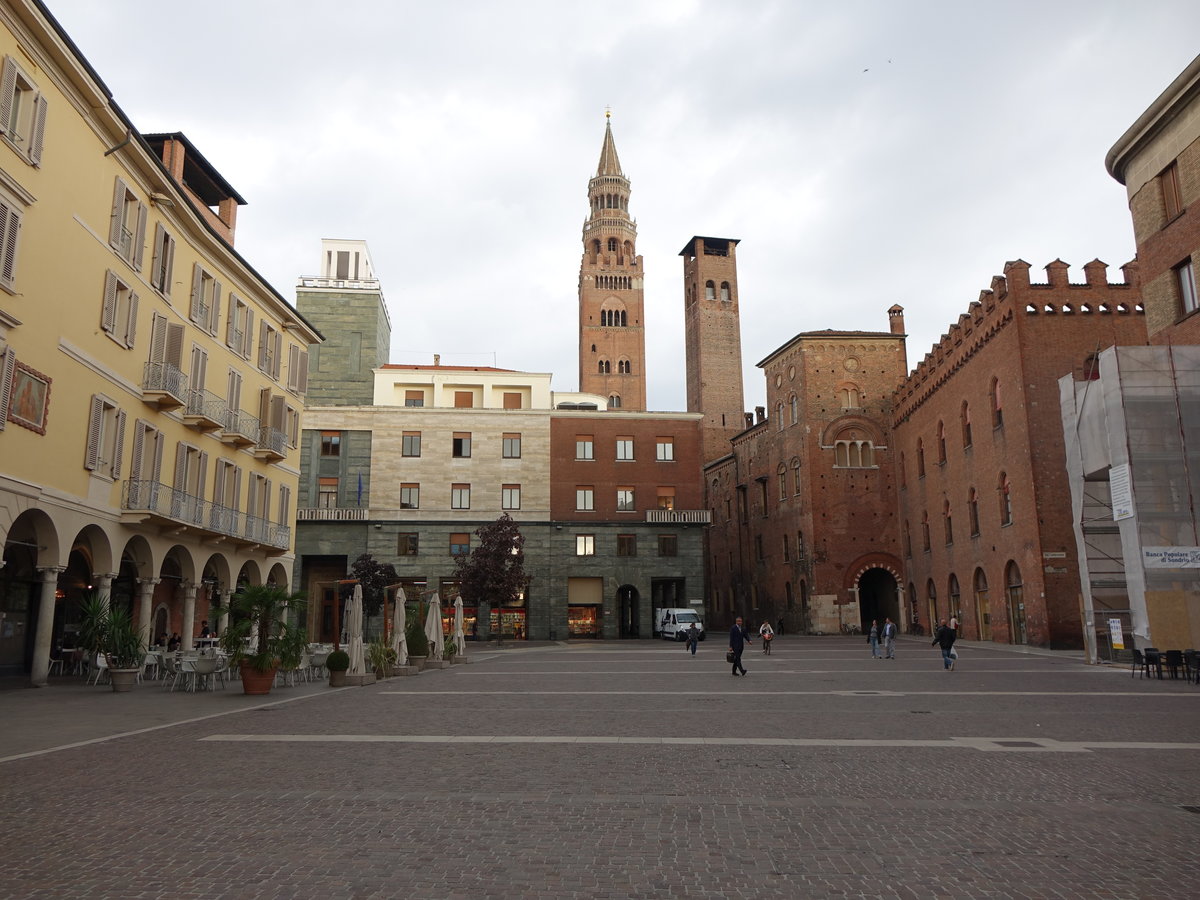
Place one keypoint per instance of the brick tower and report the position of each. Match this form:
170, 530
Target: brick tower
712, 332
612, 340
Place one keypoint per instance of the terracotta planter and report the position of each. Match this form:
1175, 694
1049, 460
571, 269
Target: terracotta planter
256, 682
123, 679
336, 678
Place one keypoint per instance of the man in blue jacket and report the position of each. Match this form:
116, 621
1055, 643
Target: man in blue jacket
738, 638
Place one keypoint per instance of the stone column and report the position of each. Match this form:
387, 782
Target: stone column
223, 597
102, 583
146, 607
40, 671
189, 614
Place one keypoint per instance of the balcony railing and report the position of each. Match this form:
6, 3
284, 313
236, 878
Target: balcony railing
240, 428
164, 385
331, 514
178, 507
205, 410
679, 516
271, 442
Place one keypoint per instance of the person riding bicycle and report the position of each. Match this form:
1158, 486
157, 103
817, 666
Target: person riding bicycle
767, 633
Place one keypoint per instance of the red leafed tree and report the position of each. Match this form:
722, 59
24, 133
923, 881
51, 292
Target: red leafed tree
494, 572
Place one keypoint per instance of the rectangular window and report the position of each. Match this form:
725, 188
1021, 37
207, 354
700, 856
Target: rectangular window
511, 446
327, 493
410, 443
1185, 277
331, 443
626, 545
625, 501
162, 262
297, 379
625, 448
408, 543
460, 544
464, 399
22, 112
460, 496
666, 497
512, 400
127, 227
668, 545
238, 327
118, 318
270, 349
410, 496
510, 496
585, 545
105, 437
585, 498
205, 309
1172, 199
664, 449
583, 447
414, 398
462, 445
10, 229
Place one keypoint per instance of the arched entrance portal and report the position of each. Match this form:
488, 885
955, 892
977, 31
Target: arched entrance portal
628, 601
878, 597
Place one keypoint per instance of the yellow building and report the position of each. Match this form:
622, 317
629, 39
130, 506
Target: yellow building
150, 379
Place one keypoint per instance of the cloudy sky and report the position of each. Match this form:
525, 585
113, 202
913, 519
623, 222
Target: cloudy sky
865, 153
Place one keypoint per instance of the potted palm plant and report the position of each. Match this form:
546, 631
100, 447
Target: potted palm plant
260, 634
111, 632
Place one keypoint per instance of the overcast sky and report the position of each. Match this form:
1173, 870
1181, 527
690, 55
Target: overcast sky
865, 153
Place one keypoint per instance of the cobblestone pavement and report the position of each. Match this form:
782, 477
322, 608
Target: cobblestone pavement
558, 771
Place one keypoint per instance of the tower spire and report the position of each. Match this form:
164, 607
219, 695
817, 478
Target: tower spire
612, 346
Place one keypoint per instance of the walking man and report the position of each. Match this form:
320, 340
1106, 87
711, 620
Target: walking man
945, 637
738, 638
873, 638
889, 638
693, 637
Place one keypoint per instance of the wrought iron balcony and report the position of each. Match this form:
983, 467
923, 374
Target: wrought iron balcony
679, 516
178, 509
205, 410
239, 428
164, 386
272, 443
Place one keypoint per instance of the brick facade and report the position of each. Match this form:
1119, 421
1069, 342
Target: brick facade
1016, 580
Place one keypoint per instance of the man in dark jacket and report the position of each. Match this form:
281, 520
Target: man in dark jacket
945, 636
738, 638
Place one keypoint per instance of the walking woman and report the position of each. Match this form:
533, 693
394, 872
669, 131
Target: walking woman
873, 638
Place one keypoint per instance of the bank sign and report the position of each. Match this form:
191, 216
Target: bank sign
1171, 557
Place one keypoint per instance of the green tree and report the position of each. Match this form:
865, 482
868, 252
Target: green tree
494, 572
374, 577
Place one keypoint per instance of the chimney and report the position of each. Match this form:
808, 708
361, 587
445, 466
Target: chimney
437, 359
760, 413
896, 319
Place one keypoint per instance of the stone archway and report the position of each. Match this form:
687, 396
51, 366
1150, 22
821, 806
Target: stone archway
879, 597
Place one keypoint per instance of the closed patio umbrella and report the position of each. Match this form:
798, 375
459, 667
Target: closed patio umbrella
459, 641
399, 640
354, 628
433, 628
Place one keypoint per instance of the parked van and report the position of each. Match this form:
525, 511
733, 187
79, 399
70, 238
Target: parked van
673, 623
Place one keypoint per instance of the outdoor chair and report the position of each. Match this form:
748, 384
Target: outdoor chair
1190, 661
1173, 661
1139, 664
99, 669
171, 671
55, 661
1153, 660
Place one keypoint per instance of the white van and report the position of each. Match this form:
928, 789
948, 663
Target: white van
673, 624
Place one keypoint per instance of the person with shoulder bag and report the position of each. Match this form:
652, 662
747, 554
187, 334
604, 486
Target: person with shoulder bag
945, 637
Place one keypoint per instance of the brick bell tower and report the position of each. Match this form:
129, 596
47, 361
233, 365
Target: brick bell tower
612, 340
713, 341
